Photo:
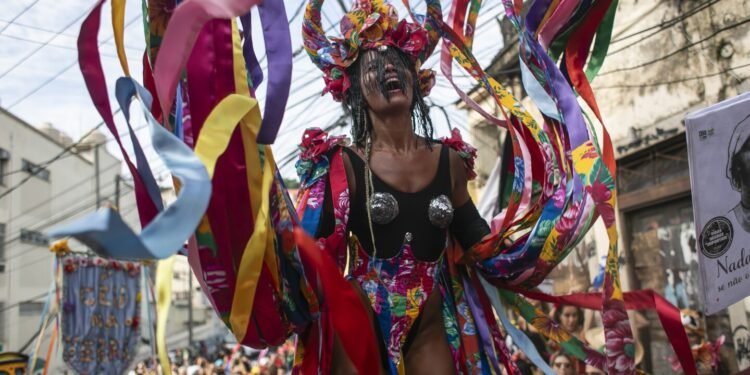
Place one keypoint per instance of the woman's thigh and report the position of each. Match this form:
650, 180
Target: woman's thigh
429, 352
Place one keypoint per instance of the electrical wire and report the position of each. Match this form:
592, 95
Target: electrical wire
22, 39
32, 299
65, 69
26, 9
681, 49
653, 84
81, 198
23, 59
668, 23
83, 208
122, 136
68, 35
54, 159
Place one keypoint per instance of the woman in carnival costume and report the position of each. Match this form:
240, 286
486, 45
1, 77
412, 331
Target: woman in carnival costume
391, 210
400, 197
392, 207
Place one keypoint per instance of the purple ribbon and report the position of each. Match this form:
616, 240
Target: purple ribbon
536, 13
251, 61
279, 51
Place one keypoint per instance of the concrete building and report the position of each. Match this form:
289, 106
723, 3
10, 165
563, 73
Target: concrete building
666, 60
36, 194
35, 197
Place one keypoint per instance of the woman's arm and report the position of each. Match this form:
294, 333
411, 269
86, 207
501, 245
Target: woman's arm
467, 226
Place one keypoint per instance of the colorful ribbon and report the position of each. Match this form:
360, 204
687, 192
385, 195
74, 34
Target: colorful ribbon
669, 315
167, 232
163, 301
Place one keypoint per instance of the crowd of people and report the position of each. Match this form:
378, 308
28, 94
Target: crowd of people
586, 327
224, 360
234, 359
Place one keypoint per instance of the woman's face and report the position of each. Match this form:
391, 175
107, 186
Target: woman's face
569, 318
562, 365
389, 90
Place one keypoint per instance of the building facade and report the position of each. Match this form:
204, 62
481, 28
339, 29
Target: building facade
37, 195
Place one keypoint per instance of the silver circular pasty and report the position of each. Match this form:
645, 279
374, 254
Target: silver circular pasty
383, 208
440, 211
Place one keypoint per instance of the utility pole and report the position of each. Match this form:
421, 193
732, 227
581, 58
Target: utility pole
190, 309
117, 191
96, 167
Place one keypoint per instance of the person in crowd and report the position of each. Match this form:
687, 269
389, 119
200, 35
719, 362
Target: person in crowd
562, 364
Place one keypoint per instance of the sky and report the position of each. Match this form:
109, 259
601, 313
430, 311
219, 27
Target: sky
40, 80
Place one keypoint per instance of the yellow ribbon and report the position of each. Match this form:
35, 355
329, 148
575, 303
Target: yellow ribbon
163, 300
118, 24
211, 143
254, 180
219, 127
260, 245
38, 344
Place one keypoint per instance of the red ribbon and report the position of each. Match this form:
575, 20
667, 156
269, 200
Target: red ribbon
344, 308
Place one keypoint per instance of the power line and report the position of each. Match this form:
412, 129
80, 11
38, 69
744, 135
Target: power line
86, 206
65, 69
19, 14
77, 209
54, 159
69, 35
56, 196
664, 26
668, 23
681, 49
22, 39
23, 59
32, 299
122, 135
652, 84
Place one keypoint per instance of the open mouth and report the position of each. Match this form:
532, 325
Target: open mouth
392, 84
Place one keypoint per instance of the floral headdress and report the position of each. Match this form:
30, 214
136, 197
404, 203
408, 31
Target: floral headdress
369, 25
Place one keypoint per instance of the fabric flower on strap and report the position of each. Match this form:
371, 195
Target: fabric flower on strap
313, 160
369, 25
466, 151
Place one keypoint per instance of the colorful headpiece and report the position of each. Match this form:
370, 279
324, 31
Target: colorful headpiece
369, 25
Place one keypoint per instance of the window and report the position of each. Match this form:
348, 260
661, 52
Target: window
4, 165
33, 237
36, 170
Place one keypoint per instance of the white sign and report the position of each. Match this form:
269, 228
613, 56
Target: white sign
718, 140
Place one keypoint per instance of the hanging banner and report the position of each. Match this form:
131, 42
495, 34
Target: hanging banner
718, 140
100, 314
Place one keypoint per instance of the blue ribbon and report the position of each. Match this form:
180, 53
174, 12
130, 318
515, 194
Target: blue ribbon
538, 95
107, 234
519, 338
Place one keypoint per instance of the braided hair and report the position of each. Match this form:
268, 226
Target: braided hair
356, 106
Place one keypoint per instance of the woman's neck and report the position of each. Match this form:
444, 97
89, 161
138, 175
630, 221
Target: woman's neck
393, 132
